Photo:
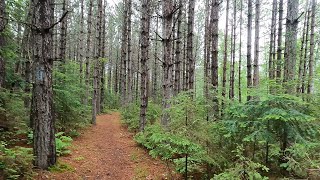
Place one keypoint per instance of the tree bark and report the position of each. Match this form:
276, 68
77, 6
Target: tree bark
145, 26
42, 94
214, 26
124, 47
272, 40
240, 52
290, 45
129, 59
190, 57
249, 60
88, 52
167, 7
256, 77
178, 52
225, 55
279, 48
311, 58
3, 23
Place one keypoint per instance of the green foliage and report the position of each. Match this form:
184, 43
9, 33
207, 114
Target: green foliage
243, 168
16, 163
112, 100
172, 147
61, 167
62, 144
131, 114
68, 95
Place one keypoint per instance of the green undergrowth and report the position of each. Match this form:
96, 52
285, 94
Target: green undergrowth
61, 167
276, 134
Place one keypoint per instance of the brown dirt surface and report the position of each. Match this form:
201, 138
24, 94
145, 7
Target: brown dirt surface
107, 151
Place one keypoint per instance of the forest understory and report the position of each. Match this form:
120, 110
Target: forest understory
160, 89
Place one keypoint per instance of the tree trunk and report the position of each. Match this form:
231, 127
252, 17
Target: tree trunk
206, 50
42, 95
290, 45
129, 59
214, 23
155, 65
233, 51
124, 47
3, 23
80, 40
178, 52
88, 53
167, 59
256, 78
272, 40
190, 57
249, 61
240, 53
311, 60
63, 33
225, 56
279, 49
145, 26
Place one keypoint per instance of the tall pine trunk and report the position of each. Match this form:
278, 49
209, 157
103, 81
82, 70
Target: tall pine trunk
44, 149
249, 60
312, 42
145, 26
190, 57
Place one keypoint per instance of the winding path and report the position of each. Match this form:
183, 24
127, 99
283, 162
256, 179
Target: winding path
107, 151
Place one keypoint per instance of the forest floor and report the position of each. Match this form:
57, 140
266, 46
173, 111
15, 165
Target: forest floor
108, 151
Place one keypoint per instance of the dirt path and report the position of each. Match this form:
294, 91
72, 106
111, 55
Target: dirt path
107, 151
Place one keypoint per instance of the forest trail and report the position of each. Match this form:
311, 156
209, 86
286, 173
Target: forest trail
107, 151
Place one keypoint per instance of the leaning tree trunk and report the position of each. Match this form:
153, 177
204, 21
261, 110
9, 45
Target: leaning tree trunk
311, 58
145, 26
2, 43
42, 94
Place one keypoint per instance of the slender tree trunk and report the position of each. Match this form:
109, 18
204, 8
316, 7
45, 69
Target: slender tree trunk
3, 23
272, 39
240, 52
206, 50
129, 59
249, 60
256, 77
63, 33
145, 26
279, 49
88, 52
214, 26
44, 149
167, 59
290, 45
233, 51
178, 51
102, 52
124, 47
305, 55
225, 51
155, 65
302, 49
312, 47
80, 39
190, 57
